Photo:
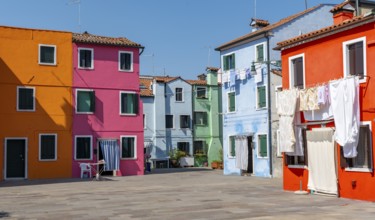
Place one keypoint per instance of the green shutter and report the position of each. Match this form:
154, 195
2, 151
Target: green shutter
225, 62
260, 53
232, 152
233, 62
262, 145
232, 102
261, 96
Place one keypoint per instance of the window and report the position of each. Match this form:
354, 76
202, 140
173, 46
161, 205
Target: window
85, 101
179, 95
183, 146
85, 58
363, 160
199, 147
125, 61
128, 147
261, 97
262, 145
299, 161
47, 54
201, 93
25, 99
184, 121
259, 52
200, 118
169, 121
83, 146
128, 103
229, 62
232, 147
297, 71
47, 146
231, 101
355, 57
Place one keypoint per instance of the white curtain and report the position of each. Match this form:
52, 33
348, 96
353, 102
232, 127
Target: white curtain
111, 154
321, 161
241, 152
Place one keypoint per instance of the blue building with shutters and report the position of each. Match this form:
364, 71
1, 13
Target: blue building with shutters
251, 76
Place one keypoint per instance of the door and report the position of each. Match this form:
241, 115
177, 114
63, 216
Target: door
15, 158
250, 154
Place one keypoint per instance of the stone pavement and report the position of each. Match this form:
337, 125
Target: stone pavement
187, 193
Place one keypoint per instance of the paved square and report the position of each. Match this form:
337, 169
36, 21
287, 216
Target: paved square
190, 193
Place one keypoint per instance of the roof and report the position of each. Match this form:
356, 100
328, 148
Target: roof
214, 69
356, 21
145, 84
259, 22
95, 39
340, 6
165, 79
277, 72
197, 82
267, 28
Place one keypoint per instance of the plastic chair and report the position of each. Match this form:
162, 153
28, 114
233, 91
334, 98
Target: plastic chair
85, 168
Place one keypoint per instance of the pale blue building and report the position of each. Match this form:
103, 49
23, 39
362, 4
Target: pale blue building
250, 122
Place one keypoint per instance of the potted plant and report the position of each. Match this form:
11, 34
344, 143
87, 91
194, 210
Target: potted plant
174, 157
218, 164
200, 159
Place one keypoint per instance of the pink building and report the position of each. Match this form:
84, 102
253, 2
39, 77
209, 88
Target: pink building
108, 114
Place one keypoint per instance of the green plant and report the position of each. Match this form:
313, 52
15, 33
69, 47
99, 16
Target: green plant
176, 154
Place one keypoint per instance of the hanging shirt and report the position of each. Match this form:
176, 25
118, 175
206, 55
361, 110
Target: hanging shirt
258, 77
243, 74
232, 77
308, 99
345, 105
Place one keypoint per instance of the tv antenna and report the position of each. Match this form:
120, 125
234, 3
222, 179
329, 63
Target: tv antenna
77, 2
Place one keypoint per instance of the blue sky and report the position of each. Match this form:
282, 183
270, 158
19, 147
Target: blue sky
179, 35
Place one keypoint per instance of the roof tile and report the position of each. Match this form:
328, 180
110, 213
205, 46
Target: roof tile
95, 39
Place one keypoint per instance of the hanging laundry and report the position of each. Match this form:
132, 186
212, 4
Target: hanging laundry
259, 76
323, 94
298, 150
308, 99
345, 105
225, 76
323, 113
243, 74
287, 102
232, 77
241, 152
219, 76
248, 72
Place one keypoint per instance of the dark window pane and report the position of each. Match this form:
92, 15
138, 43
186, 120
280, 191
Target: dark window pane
298, 72
356, 61
184, 121
85, 101
47, 147
179, 94
199, 147
169, 121
201, 92
183, 146
47, 54
129, 103
83, 148
232, 143
200, 118
128, 147
363, 159
125, 61
85, 58
25, 99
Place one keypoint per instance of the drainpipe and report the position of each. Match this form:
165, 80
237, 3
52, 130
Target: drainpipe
357, 8
267, 35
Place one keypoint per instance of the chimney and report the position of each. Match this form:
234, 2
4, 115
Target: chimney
202, 76
257, 24
342, 12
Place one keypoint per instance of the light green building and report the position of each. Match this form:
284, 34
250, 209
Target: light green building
207, 118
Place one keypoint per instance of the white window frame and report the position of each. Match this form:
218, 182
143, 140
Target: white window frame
291, 73
135, 147
278, 89
131, 61
205, 92
258, 146
229, 146
25, 110
201, 112
173, 122
54, 55
264, 52
92, 58
40, 146
228, 102
256, 97
75, 146
182, 94
278, 149
120, 100
76, 100
345, 45
364, 170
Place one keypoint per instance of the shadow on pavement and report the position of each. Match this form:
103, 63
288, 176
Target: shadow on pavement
181, 170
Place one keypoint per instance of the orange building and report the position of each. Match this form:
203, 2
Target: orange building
36, 114
327, 57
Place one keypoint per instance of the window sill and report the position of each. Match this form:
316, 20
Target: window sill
25, 110
88, 159
259, 157
128, 114
200, 125
126, 71
231, 112
260, 109
47, 64
361, 170
84, 113
297, 167
47, 160
128, 158
180, 101
85, 68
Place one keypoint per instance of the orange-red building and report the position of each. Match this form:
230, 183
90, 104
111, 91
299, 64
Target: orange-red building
36, 115
323, 57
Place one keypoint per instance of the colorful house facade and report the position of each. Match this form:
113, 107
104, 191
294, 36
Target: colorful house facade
250, 122
168, 117
36, 81
338, 57
207, 124
108, 114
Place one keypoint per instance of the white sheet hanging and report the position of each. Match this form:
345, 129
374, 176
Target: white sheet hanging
321, 157
345, 105
259, 76
241, 152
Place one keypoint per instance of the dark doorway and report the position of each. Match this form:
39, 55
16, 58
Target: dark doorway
250, 154
101, 166
15, 157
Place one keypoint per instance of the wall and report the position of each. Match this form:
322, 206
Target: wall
53, 103
107, 122
318, 70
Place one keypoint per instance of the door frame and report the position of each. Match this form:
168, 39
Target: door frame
5, 157
252, 146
